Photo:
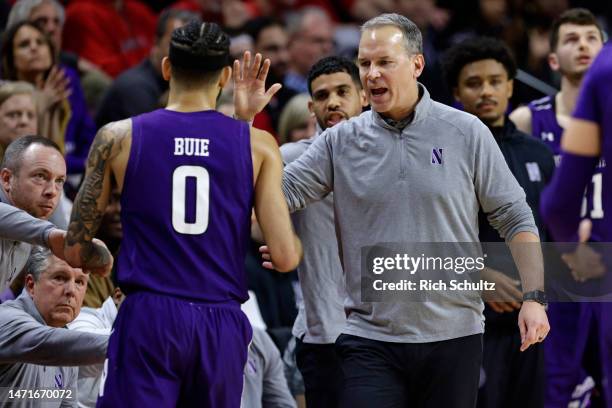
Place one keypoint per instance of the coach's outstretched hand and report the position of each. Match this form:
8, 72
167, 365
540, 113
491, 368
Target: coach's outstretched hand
250, 95
533, 324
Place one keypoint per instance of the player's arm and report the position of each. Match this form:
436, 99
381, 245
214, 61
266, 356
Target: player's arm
581, 145
92, 199
521, 117
582, 137
285, 248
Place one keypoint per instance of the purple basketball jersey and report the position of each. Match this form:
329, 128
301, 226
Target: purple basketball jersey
595, 105
544, 126
186, 206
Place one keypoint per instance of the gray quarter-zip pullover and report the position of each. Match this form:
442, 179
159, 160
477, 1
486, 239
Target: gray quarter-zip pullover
424, 183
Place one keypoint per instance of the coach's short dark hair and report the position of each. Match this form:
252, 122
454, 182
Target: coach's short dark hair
331, 65
476, 49
198, 52
13, 155
578, 16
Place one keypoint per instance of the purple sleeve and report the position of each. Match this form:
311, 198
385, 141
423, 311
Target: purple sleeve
81, 128
561, 200
596, 84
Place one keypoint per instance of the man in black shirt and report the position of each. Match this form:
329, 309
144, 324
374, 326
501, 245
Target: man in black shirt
480, 73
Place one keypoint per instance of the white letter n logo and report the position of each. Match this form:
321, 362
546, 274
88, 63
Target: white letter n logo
436, 156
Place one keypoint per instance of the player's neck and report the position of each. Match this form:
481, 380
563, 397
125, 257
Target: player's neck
566, 99
192, 100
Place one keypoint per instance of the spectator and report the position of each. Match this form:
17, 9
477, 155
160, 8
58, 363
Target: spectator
113, 35
36, 351
311, 35
18, 115
271, 41
139, 89
27, 55
296, 121
48, 15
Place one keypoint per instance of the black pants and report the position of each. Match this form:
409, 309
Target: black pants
388, 375
322, 373
512, 378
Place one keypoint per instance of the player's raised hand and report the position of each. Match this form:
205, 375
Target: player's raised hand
533, 324
250, 95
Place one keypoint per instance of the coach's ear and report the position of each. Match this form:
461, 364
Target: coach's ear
166, 68
5, 178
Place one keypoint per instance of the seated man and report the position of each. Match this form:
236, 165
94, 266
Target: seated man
32, 175
36, 351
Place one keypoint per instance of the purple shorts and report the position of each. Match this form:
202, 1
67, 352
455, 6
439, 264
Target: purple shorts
169, 352
565, 346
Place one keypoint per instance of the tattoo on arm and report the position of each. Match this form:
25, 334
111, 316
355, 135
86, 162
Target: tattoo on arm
92, 198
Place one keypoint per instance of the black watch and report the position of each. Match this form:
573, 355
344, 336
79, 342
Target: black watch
537, 296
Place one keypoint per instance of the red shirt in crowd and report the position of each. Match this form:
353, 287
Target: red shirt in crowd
113, 38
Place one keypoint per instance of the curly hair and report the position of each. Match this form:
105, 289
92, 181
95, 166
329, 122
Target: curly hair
332, 65
476, 49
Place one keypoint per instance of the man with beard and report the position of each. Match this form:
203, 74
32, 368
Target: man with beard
576, 39
337, 95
